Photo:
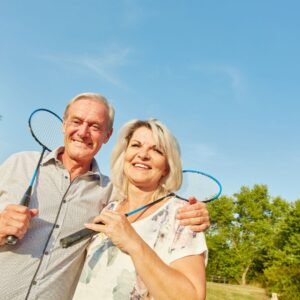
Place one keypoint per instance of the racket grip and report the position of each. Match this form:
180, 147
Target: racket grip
11, 240
77, 237
26, 197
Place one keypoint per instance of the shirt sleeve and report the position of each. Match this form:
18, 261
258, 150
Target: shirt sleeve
182, 240
6, 171
16, 173
186, 242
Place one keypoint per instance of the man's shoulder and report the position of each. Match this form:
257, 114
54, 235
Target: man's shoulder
22, 156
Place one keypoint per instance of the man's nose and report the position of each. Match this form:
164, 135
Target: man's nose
83, 129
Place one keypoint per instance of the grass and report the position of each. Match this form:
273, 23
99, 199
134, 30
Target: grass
219, 291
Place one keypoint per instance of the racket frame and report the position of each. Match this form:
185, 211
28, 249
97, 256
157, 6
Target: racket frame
25, 201
212, 178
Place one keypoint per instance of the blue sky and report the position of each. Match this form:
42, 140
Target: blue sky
222, 75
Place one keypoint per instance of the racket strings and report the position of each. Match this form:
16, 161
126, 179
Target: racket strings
46, 127
202, 186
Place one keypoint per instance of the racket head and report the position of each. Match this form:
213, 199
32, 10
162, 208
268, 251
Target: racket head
203, 186
46, 128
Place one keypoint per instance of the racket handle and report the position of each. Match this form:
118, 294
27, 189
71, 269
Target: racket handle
77, 237
11, 240
26, 197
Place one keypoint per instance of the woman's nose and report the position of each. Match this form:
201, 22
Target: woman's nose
143, 153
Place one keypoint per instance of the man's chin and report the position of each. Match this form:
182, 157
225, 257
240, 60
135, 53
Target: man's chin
82, 154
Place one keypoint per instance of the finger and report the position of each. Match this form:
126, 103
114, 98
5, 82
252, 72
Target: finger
199, 228
17, 208
34, 212
196, 206
191, 214
192, 200
13, 218
193, 221
103, 218
15, 231
95, 227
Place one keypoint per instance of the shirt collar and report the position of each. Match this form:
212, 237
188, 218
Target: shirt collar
53, 157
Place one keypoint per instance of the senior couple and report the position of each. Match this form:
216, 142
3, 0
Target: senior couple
158, 253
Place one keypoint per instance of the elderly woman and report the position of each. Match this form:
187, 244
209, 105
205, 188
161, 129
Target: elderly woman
147, 255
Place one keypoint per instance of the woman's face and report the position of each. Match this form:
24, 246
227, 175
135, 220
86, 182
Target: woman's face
145, 163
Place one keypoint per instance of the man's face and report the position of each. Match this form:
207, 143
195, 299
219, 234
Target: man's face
85, 130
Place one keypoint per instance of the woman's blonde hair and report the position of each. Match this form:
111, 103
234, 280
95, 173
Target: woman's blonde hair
164, 140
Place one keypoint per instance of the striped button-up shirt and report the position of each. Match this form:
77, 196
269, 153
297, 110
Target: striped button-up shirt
37, 267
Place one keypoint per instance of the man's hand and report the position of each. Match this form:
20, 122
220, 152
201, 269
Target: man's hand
15, 220
194, 214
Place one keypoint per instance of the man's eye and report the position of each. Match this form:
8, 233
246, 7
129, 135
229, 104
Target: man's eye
96, 127
75, 122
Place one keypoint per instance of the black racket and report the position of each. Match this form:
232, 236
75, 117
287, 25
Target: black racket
46, 127
195, 183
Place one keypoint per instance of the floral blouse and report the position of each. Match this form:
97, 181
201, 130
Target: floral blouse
109, 273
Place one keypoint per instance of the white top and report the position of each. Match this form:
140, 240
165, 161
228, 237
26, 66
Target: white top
109, 273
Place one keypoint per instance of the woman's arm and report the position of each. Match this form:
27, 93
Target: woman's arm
182, 279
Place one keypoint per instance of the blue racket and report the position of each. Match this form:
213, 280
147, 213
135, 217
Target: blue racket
45, 127
204, 187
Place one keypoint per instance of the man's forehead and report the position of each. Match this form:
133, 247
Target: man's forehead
88, 107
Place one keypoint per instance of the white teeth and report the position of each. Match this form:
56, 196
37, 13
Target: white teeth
82, 143
141, 166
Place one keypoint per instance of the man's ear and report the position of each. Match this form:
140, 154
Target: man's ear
63, 127
108, 135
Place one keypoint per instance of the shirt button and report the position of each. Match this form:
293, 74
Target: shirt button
56, 226
64, 201
34, 282
46, 252
66, 177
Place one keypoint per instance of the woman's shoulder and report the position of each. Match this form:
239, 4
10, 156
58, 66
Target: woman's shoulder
174, 203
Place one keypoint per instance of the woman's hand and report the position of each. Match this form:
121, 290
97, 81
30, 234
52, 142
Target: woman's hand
116, 227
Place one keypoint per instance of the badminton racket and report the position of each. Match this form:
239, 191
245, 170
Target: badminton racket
45, 127
203, 186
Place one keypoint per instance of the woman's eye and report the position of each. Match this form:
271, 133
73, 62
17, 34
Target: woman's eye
134, 145
158, 151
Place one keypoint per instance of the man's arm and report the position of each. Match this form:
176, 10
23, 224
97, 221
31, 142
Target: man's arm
15, 220
195, 215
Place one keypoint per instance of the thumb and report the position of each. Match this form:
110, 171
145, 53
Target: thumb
34, 212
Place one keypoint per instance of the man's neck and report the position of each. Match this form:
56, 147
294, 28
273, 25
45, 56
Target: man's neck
75, 168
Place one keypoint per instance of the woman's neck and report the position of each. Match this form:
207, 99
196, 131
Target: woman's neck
137, 197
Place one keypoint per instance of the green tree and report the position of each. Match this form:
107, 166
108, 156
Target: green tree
221, 262
242, 232
282, 270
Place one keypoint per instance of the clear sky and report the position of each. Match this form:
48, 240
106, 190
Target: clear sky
224, 76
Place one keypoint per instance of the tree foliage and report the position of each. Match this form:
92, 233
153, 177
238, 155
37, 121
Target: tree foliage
252, 236
283, 269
